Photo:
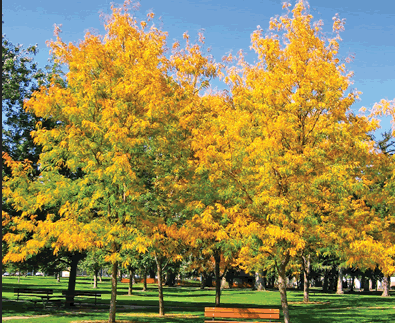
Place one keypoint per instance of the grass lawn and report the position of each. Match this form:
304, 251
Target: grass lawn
187, 304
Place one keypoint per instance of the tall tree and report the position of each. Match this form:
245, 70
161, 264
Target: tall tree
286, 139
115, 99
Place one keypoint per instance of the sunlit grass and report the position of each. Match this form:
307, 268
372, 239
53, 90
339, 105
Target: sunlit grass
187, 303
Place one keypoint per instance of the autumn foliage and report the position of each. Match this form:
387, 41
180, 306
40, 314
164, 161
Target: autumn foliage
142, 158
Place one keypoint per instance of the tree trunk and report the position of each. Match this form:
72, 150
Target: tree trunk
386, 286
374, 284
145, 280
259, 283
95, 274
339, 289
202, 281
217, 259
101, 275
326, 281
333, 279
58, 276
170, 278
224, 283
271, 281
364, 284
72, 279
160, 287
306, 278
282, 287
113, 302
208, 281
131, 276
352, 284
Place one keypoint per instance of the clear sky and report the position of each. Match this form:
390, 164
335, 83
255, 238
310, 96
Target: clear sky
369, 31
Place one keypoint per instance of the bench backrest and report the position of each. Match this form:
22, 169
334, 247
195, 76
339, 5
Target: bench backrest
253, 313
33, 291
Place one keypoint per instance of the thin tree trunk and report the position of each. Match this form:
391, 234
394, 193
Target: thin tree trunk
95, 273
72, 279
145, 280
333, 279
363, 283
131, 275
113, 302
339, 289
58, 276
259, 281
101, 275
217, 259
160, 287
282, 287
326, 281
202, 281
306, 278
352, 284
386, 286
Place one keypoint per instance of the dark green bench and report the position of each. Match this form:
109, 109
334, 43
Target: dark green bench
44, 294
82, 293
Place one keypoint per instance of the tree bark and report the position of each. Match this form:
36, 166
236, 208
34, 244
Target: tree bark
170, 278
282, 287
72, 279
58, 276
339, 289
160, 287
259, 283
95, 274
202, 281
326, 281
352, 284
113, 302
145, 280
333, 279
101, 275
217, 259
306, 278
131, 276
224, 283
208, 280
386, 286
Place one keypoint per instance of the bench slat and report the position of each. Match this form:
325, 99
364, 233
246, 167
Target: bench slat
241, 310
245, 315
33, 291
211, 321
242, 313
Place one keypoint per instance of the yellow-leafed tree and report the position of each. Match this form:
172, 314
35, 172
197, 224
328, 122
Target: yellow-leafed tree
118, 97
287, 142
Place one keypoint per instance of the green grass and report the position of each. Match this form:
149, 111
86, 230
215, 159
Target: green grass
187, 304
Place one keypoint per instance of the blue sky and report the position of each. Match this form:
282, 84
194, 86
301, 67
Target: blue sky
369, 31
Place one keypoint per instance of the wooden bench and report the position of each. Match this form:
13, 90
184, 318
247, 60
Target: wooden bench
44, 294
84, 293
243, 313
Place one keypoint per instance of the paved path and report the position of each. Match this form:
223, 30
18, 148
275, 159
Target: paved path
23, 317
